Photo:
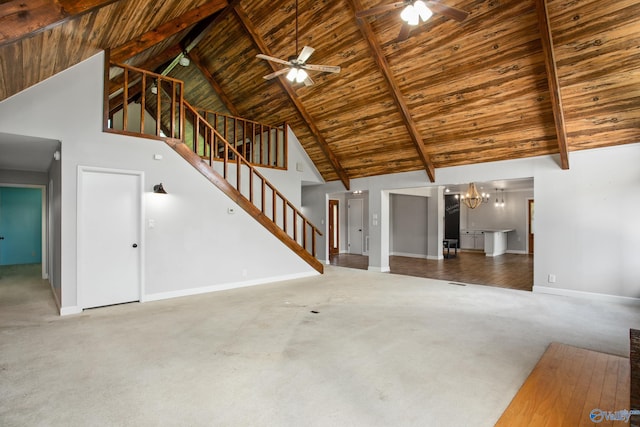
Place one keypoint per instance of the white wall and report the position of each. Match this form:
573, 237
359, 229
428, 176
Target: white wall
586, 217
408, 218
23, 177
195, 245
587, 231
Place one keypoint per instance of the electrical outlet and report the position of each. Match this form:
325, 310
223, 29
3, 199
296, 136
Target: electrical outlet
552, 278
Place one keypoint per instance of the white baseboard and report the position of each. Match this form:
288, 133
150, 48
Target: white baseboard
379, 269
66, 311
222, 287
438, 257
518, 252
587, 295
409, 255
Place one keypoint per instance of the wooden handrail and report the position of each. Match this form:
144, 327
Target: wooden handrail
268, 150
212, 138
135, 84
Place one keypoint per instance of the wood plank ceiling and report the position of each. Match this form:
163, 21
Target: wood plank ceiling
450, 94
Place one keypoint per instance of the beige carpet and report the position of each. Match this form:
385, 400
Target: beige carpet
382, 350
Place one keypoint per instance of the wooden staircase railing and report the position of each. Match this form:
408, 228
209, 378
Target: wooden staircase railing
191, 135
242, 182
151, 94
261, 144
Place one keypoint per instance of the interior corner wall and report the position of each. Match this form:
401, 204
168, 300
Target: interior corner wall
196, 244
54, 214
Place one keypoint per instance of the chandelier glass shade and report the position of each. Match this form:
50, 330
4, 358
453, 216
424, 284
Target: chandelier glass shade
472, 199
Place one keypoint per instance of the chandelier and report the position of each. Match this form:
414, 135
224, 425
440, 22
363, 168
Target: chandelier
472, 199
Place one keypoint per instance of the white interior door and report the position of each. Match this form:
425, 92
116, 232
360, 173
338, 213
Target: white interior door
109, 237
354, 226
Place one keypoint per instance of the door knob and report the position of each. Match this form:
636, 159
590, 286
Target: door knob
135, 245
1, 237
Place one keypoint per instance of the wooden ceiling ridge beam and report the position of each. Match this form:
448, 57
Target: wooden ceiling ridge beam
197, 34
554, 83
197, 61
394, 89
263, 48
168, 29
20, 19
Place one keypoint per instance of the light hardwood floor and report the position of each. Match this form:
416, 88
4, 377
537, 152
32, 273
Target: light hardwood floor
568, 386
506, 271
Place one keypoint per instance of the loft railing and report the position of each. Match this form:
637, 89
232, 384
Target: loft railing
143, 103
148, 104
261, 144
210, 145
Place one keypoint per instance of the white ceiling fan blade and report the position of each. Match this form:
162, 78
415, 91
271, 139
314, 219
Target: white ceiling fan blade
305, 54
276, 74
272, 59
324, 68
308, 81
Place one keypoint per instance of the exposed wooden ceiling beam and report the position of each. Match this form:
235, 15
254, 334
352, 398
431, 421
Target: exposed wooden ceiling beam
554, 83
20, 19
197, 61
197, 34
394, 90
168, 29
263, 48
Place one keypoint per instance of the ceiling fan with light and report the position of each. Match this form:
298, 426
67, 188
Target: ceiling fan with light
297, 66
415, 11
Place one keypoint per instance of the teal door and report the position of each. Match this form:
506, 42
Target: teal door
20, 225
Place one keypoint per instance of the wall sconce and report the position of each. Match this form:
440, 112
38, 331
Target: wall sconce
159, 189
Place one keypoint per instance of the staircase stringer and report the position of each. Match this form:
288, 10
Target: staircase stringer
221, 183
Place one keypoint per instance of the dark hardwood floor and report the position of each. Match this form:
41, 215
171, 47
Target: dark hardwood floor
506, 271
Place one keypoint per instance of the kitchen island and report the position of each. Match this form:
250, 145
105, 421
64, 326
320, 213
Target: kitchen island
494, 242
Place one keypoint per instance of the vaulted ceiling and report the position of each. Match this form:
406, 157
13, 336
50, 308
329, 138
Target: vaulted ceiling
516, 78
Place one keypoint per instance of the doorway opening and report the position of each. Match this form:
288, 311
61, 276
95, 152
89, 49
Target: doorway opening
334, 227
23, 226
